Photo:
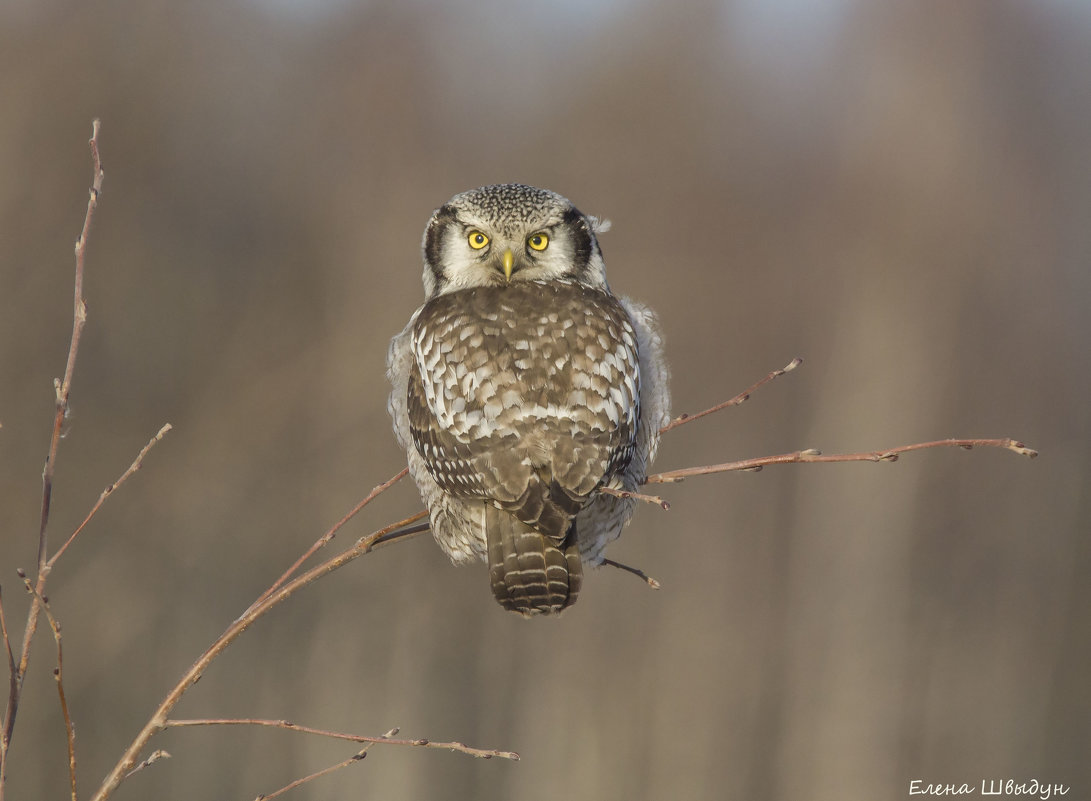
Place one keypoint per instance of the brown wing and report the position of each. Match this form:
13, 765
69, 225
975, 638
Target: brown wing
525, 396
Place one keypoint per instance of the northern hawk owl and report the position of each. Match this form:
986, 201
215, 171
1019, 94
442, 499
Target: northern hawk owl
521, 388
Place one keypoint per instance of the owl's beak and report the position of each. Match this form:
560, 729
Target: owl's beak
509, 263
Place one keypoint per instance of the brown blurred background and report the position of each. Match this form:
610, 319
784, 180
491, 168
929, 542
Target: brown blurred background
898, 192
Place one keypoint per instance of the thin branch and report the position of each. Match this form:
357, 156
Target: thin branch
7, 647
462, 748
740, 398
58, 675
13, 683
158, 720
352, 760
69, 728
653, 499
322, 541
106, 493
812, 455
62, 388
79, 318
636, 571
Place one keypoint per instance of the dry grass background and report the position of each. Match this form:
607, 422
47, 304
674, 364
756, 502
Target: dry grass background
898, 192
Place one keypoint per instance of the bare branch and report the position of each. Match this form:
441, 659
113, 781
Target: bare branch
322, 541
352, 760
158, 720
740, 398
58, 675
13, 686
106, 493
79, 318
812, 455
62, 388
462, 748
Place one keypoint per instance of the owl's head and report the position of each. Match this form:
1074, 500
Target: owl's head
507, 233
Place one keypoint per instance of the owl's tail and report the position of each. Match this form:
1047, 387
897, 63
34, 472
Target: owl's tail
530, 572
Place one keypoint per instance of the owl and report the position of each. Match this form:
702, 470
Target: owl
521, 389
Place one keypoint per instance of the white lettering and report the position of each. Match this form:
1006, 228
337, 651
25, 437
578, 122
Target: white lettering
1011, 787
916, 787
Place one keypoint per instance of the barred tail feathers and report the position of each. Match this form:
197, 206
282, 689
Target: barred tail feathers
529, 572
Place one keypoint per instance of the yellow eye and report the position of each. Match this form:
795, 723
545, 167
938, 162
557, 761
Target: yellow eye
477, 240
538, 241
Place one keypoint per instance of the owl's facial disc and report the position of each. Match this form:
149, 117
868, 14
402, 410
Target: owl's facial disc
499, 235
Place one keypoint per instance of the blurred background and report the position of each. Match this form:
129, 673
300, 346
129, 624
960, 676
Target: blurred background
897, 192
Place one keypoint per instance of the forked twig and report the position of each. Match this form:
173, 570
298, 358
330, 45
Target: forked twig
462, 748
39, 600
158, 720
62, 389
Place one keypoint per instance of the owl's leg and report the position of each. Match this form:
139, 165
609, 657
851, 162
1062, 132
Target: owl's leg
528, 571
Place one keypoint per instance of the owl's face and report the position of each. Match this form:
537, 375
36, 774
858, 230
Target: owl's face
508, 233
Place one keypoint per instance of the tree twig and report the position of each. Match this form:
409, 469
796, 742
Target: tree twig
79, 318
62, 389
158, 720
58, 675
462, 748
813, 455
13, 685
743, 396
138, 462
322, 541
352, 760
